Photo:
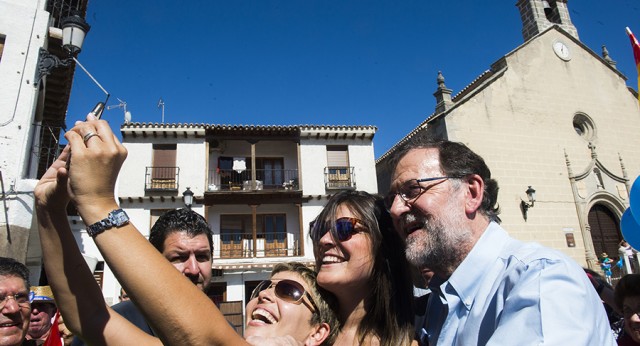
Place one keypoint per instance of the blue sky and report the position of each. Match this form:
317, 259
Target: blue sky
309, 61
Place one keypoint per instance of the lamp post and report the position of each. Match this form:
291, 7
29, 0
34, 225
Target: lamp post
524, 206
74, 29
188, 198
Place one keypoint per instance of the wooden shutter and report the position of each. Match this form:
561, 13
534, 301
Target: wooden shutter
337, 156
164, 161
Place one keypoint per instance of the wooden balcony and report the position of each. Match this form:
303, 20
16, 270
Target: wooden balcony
266, 179
337, 178
230, 245
161, 178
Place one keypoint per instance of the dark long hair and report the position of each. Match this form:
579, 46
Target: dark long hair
389, 313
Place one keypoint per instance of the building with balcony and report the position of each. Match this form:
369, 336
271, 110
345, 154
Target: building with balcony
258, 187
32, 114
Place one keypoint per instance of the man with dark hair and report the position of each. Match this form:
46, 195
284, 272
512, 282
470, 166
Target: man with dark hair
15, 307
488, 288
184, 239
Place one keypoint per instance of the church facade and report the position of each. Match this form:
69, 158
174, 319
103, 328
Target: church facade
551, 116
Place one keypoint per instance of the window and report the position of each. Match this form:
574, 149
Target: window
163, 172
269, 170
236, 235
2, 39
338, 174
337, 156
584, 127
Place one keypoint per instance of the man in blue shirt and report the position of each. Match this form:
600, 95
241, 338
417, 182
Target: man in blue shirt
488, 289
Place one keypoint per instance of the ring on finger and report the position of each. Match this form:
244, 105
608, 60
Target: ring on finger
88, 136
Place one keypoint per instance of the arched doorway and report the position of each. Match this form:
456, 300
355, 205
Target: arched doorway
605, 233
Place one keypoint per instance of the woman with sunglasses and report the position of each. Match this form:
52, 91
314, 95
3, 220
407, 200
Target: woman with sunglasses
360, 259
290, 303
178, 312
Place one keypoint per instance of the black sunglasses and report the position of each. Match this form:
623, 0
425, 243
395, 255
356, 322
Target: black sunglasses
345, 228
287, 290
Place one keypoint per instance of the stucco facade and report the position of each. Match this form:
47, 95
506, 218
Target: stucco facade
31, 116
279, 176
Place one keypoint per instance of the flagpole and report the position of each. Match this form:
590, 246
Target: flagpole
636, 55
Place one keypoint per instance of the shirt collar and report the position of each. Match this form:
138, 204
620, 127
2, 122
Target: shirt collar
466, 279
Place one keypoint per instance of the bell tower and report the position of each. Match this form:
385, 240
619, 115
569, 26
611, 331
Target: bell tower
538, 15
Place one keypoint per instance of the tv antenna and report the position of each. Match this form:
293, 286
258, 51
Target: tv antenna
123, 105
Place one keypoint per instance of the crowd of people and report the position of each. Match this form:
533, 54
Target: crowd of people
482, 286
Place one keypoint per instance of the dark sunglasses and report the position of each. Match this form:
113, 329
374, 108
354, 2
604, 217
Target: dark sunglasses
287, 290
345, 228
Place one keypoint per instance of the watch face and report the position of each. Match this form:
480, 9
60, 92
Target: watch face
561, 50
120, 217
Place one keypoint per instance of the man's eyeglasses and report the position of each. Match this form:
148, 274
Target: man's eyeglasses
287, 290
410, 190
23, 299
345, 228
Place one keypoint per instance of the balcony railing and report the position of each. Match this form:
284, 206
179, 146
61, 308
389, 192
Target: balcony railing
240, 245
339, 178
266, 179
47, 148
162, 178
61, 9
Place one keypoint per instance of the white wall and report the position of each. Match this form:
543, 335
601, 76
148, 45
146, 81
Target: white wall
24, 25
313, 158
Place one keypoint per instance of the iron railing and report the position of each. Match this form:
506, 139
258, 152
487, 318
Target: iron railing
47, 147
61, 9
241, 245
339, 178
161, 178
266, 179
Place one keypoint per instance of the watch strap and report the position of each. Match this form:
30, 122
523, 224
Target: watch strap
116, 218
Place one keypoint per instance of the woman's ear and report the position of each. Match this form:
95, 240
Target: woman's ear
318, 335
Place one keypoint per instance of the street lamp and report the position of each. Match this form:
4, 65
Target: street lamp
524, 206
74, 29
188, 198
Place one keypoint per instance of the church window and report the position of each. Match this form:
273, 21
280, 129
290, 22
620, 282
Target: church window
584, 126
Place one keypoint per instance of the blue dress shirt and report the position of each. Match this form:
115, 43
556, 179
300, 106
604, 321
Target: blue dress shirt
507, 292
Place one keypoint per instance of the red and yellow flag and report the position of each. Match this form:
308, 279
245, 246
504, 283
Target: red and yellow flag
636, 54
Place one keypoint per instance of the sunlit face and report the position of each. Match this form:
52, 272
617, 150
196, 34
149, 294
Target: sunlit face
14, 319
270, 316
630, 309
41, 315
191, 256
348, 266
432, 224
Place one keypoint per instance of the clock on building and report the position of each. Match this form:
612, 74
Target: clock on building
561, 50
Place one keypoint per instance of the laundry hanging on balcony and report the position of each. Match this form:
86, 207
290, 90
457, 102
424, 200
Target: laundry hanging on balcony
239, 164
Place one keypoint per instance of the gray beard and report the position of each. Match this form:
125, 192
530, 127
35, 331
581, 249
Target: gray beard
440, 245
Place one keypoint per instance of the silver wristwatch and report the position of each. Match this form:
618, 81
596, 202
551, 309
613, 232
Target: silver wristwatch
116, 218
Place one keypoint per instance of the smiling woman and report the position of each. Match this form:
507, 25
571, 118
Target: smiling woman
359, 259
291, 303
